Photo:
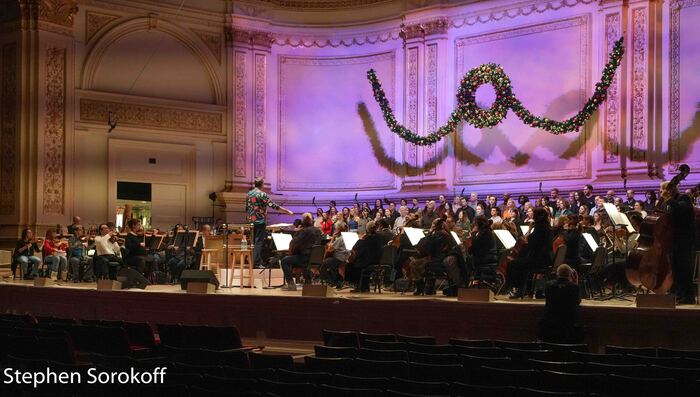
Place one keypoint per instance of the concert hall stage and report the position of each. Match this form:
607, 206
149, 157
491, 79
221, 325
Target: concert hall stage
272, 314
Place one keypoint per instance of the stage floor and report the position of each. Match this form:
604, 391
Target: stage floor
262, 314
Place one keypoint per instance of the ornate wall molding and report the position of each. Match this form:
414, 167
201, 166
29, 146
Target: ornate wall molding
95, 21
513, 11
239, 115
55, 132
612, 107
59, 12
411, 151
259, 118
235, 35
426, 28
581, 168
282, 178
640, 79
323, 4
431, 103
677, 7
8, 129
156, 117
212, 41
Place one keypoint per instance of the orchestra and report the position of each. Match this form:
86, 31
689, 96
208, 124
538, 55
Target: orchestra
554, 220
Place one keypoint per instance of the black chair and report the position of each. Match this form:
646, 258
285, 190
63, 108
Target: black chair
472, 390
664, 361
341, 380
524, 355
376, 337
620, 386
427, 358
382, 355
377, 345
419, 340
617, 359
663, 352
417, 387
389, 369
564, 347
517, 345
335, 352
395, 393
430, 349
213, 370
247, 373
436, 372
328, 390
233, 358
274, 361
505, 377
473, 365
526, 392
637, 351
472, 342
315, 259
376, 273
332, 365
55, 320
317, 378
572, 367
284, 389
340, 338
479, 351
617, 369
566, 382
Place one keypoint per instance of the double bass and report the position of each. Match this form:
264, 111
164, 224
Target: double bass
649, 264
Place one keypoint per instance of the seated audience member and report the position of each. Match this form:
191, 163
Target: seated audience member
25, 255
562, 299
300, 250
55, 256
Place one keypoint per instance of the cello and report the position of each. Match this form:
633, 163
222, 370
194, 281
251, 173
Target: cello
649, 264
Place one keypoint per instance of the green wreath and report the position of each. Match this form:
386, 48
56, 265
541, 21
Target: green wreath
468, 111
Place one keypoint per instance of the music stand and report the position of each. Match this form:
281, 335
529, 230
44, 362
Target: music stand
281, 241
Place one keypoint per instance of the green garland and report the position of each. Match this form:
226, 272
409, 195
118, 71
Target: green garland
493, 74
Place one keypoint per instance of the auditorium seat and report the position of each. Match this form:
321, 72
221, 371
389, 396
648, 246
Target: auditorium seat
616, 359
328, 390
192, 380
427, 358
335, 352
637, 351
558, 381
563, 366
421, 340
418, 387
382, 355
430, 349
378, 345
233, 358
317, 378
332, 365
229, 385
661, 352
213, 370
341, 380
564, 347
140, 334
525, 354
623, 386
472, 342
284, 389
617, 369
262, 360
517, 345
389, 369
505, 377
55, 320
479, 351
472, 365
112, 361
473, 390
200, 336
111, 341
526, 392
247, 373
436, 372
340, 338
363, 336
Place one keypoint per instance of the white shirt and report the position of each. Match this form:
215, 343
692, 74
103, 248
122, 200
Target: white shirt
103, 246
399, 223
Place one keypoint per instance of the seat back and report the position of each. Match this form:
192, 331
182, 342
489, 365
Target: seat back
340, 338
560, 255
317, 253
388, 255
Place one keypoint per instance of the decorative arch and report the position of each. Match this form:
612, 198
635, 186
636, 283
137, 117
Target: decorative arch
188, 39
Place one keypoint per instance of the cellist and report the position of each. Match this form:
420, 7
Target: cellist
680, 208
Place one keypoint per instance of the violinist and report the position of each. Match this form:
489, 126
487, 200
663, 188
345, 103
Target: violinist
24, 254
106, 253
80, 262
572, 238
76, 223
536, 254
440, 253
300, 250
585, 225
483, 248
338, 255
55, 256
135, 244
680, 209
367, 251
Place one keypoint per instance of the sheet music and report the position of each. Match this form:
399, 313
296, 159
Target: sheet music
524, 229
505, 238
456, 237
591, 241
627, 223
282, 241
414, 234
349, 239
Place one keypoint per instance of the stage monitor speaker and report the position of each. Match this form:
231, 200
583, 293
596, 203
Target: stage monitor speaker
108, 285
131, 278
317, 290
202, 276
474, 295
666, 301
198, 287
43, 282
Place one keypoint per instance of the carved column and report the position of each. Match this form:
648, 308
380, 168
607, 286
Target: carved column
249, 51
424, 49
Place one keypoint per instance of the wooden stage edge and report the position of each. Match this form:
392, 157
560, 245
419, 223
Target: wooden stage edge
280, 315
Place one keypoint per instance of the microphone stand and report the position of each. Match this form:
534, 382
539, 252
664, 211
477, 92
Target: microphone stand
185, 241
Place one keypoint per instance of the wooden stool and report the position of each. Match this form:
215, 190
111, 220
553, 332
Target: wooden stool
237, 260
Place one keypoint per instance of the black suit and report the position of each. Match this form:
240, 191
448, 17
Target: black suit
683, 217
368, 251
561, 305
536, 254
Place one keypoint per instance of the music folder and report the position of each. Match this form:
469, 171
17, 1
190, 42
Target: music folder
505, 238
414, 234
281, 241
456, 237
349, 239
618, 218
590, 241
524, 229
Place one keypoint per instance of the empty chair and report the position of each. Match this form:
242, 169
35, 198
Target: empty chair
227, 385
233, 358
662, 352
638, 351
472, 365
517, 345
112, 361
396, 393
565, 382
332, 365
479, 351
436, 372
382, 355
389, 369
598, 358
427, 358
363, 336
317, 378
619, 386
55, 320
472, 342
340, 338
140, 335
526, 392
284, 389
523, 354
617, 369
377, 345
247, 373
275, 361
200, 336
335, 352
665, 361
472, 390
104, 340
432, 349
213, 370
421, 388
422, 340
328, 390
360, 382
564, 347
505, 377
572, 367
59, 349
